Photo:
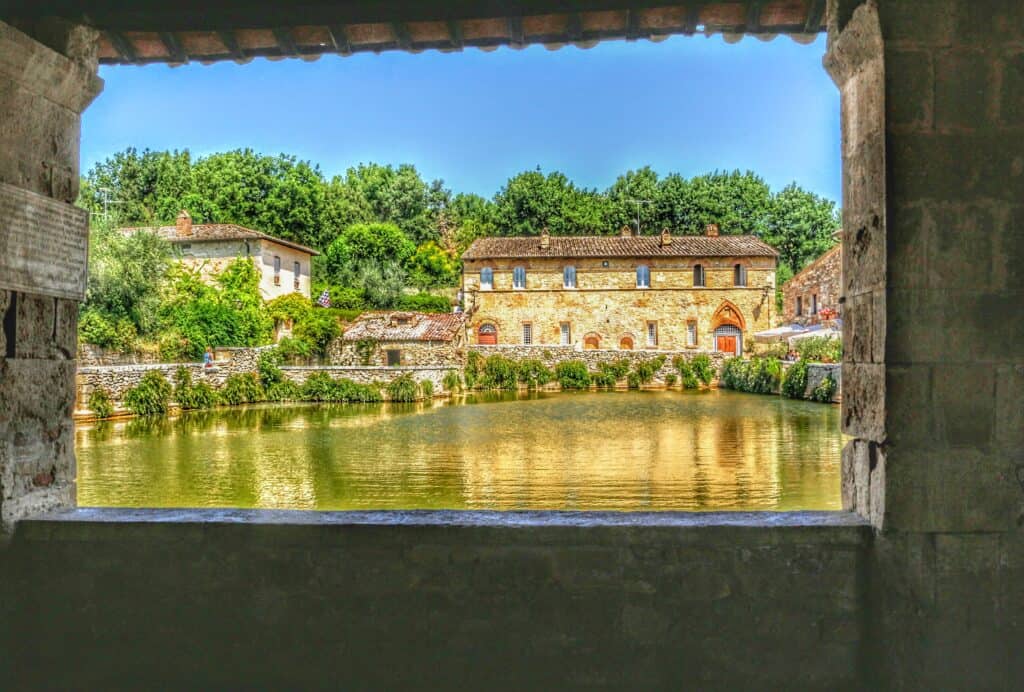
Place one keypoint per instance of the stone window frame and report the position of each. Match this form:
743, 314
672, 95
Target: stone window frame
565, 333
518, 285
651, 335
699, 270
645, 270
565, 273
695, 341
527, 328
489, 285
739, 275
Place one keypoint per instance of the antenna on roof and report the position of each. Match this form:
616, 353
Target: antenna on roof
638, 202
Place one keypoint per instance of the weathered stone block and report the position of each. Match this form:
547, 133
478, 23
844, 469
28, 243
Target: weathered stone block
1011, 107
989, 22
906, 247
863, 407
963, 80
910, 419
959, 236
858, 328
964, 405
950, 490
918, 23
909, 87
952, 167
35, 326
1009, 408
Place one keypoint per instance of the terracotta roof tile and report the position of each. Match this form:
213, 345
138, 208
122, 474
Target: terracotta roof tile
620, 246
217, 231
405, 326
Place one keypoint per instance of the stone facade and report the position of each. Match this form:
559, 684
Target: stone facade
378, 375
813, 293
409, 353
401, 338
606, 309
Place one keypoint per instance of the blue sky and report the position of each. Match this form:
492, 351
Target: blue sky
689, 105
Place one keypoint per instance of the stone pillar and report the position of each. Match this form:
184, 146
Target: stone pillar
934, 369
45, 85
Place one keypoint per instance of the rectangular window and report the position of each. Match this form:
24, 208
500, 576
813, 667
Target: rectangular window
527, 333
799, 306
652, 333
740, 275
519, 277
814, 303
277, 270
643, 276
698, 275
566, 333
297, 269
486, 279
569, 277
691, 334
394, 357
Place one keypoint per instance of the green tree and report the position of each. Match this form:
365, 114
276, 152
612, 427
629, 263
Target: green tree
431, 267
531, 201
801, 226
360, 243
633, 193
740, 203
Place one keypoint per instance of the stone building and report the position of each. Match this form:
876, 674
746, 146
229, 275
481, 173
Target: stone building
812, 295
401, 339
628, 292
284, 266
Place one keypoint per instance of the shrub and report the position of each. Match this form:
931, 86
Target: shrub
317, 329
670, 379
427, 388
95, 327
534, 373
425, 302
285, 390
701, 365
322, 387
820, 349
402, 389
499, 372
825, 390
777, 350
794, 383
292, 349
474, 366
618, 369
645, 370
192, 396
572, 374
242, 388
150, 397
734, 373
451, 381
633, 381
267, 365
687, 372
100, 403
365, 348
757, 376
604, 379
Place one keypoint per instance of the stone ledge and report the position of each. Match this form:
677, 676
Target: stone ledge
529, 527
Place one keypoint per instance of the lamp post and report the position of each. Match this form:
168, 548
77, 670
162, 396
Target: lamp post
638, 202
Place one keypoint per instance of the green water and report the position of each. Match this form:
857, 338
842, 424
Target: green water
715, 450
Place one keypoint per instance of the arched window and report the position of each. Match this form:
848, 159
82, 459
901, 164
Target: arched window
487, 335
626, 343
486, 278
569, 277
698, 275
591, 342
643, 276
519, 277
739, 275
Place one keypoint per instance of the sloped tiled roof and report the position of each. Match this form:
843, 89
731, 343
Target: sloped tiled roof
421, 326
620, 246
217, 231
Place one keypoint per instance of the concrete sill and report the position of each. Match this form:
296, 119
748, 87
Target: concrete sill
835, 528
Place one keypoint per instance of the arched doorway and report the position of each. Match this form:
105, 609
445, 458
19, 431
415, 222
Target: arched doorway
626, 343
487, 335
591, 342
729, 339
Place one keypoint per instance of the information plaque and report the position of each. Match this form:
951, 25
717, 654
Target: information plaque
44, 244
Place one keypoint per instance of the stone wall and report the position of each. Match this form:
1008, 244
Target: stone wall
43, 91
553, 355
342, 352
91, 355
379, 375
821, 278
607, 304
118, 379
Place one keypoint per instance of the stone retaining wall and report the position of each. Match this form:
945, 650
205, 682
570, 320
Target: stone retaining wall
380, 375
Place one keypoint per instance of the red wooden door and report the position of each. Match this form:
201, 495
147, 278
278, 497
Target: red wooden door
487, 336
727, 344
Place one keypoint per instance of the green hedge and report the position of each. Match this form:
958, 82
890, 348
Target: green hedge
151, 396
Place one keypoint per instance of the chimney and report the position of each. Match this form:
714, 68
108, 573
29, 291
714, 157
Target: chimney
627, 232
666, 238
711, 230
545, 239
184, 224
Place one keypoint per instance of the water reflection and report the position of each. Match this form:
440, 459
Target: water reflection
612, 450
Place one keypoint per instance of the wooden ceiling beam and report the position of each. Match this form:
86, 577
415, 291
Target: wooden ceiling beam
402, 36
632, 25
754, 16
815, 14
123, 46
516, 37
285, 42
231, 44
455, 35
574, 27
173, 47
339, 37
